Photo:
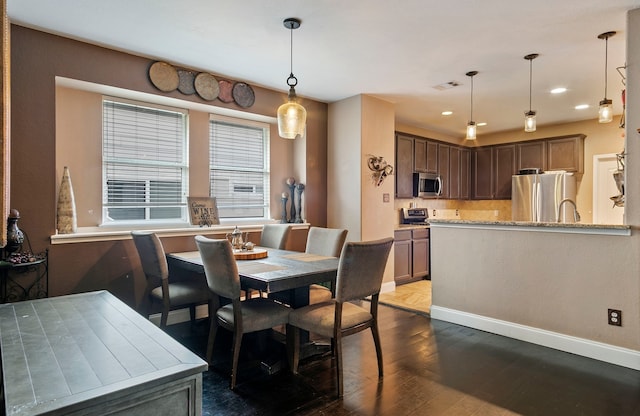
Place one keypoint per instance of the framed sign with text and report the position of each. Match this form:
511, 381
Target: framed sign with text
203, 211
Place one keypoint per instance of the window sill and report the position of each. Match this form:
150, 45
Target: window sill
93, 234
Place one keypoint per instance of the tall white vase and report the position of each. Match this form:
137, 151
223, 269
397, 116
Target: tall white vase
66, 218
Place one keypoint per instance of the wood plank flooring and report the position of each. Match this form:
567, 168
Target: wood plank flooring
431, 368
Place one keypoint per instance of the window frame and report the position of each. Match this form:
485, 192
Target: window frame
183, 166
265, 171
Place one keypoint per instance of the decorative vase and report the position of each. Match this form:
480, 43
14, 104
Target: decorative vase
300, 188
66, 216
15, 237
284, 199
291, 183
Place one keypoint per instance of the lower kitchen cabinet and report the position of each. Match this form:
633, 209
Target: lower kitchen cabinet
411, 251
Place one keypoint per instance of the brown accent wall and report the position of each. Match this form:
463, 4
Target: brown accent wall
37, 58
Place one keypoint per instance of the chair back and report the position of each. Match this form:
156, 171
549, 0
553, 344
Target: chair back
219, 266
152, 256
275, 235
361, 269
325, 241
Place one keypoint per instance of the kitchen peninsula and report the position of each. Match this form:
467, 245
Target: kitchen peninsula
545, 283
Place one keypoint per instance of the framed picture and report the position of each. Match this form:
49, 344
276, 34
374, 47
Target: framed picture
203, 211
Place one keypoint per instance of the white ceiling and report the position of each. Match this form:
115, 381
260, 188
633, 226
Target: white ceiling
397, 51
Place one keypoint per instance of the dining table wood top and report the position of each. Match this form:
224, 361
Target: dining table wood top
281, 270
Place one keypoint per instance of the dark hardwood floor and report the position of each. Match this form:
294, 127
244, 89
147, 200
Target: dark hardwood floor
431, 368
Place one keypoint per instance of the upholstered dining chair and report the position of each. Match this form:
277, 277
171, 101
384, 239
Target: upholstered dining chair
161, 289
275, 235
360, 273
239, 317
324, 242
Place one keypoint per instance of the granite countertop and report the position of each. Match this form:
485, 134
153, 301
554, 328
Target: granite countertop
411, 226
532, 224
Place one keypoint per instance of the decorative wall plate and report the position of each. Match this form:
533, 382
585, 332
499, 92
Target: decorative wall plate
206, 86
243, 94
225, 94
186, 85
164, 76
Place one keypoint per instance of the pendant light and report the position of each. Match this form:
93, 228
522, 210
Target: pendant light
605, 114
292, 117
530, 116
471, 125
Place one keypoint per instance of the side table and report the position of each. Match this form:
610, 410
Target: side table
24, 281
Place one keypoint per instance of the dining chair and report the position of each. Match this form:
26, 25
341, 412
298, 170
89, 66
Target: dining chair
275, 235
161, 288
360, 272
324, 242
239, 317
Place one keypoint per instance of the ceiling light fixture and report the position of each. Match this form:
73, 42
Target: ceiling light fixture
292, 117
471, 125
447, 113
605, 114
558, 90
530, 116
581, 106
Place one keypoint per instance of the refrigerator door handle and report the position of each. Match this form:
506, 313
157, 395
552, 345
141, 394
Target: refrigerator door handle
538, 199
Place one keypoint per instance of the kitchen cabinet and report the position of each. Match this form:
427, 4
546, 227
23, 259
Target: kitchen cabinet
482, 173
419, 155
404, 166
454, 173
411, 251
432, 157
566, 153
531, 155
504, 168
443, 169
465, 174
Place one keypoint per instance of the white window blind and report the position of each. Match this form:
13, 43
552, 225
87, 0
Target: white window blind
239, 167
144, 163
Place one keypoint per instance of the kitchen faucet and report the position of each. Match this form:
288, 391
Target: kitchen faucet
576, 215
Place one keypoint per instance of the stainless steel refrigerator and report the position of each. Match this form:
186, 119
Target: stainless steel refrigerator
536, 197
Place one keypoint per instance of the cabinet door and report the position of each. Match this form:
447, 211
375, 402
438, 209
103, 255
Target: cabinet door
402, 260
483, 173
504, 168
432, 157
404, 167
566, 153
420, 261
443, 168
419, 155
465, 173
454, 173
531, 155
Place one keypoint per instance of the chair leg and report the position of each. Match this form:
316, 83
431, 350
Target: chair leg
237, 341
376, 341
293, 347
164, 317
213, 330
192, 313
338, 354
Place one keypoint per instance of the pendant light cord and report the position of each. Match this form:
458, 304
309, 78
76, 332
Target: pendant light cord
291, 50
530, 70
471, 119
606, 54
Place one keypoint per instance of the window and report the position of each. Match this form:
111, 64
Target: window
239, 167
145, 164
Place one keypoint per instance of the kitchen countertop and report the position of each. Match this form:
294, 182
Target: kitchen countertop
539, 226
411, 226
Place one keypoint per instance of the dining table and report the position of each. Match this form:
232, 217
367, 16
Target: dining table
283, 274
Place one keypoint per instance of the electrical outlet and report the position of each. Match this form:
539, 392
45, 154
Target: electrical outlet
614, 317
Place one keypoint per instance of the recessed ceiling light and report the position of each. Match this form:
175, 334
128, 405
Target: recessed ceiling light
481, 124
559, 90
447, 113
582, 107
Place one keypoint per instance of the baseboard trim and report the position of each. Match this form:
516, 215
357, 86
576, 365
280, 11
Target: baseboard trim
580, 346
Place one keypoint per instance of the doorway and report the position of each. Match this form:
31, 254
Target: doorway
604, 187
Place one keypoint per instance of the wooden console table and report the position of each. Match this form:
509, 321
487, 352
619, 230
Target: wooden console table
92, 354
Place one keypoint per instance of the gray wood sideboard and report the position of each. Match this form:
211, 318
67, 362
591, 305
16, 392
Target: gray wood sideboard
92, 354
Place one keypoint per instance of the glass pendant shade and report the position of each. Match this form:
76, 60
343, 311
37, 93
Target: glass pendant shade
530, 121
292, 118
471, 130
605, 114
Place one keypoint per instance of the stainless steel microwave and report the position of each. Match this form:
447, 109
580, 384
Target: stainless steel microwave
426, 185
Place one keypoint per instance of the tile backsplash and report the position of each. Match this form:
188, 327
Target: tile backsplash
484, 210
